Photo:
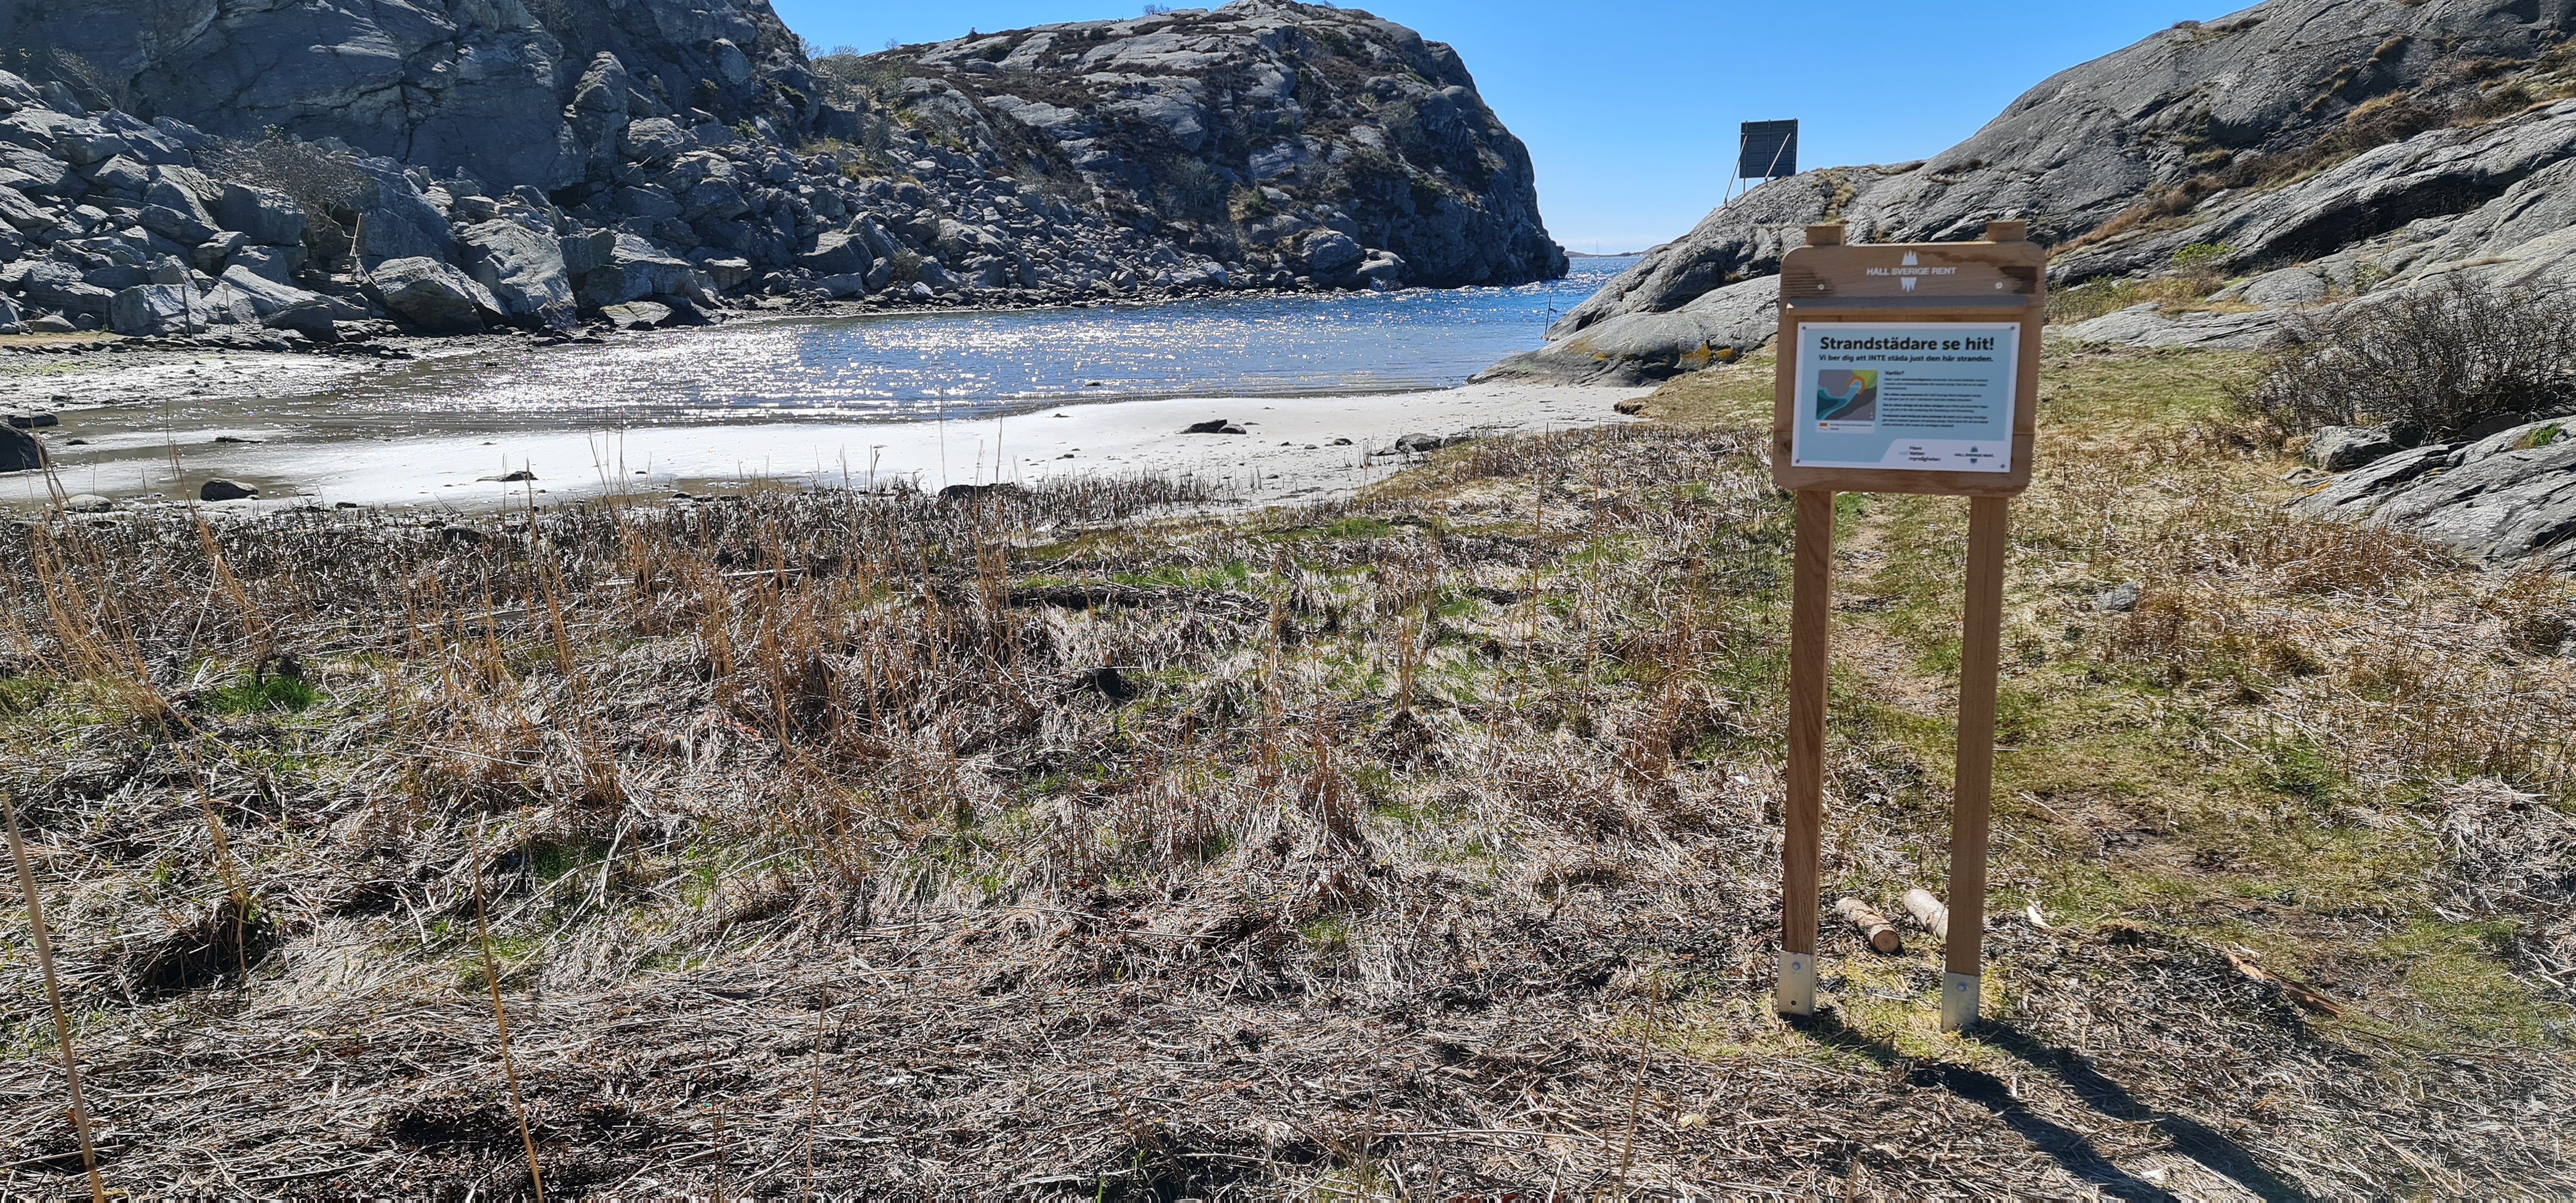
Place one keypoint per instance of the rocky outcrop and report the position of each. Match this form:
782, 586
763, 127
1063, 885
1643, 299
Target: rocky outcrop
440, 84
2507, 498
555, 159
1639, 348
1284, 140
2319, 148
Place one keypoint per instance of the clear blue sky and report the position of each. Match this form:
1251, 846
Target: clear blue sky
1629, 106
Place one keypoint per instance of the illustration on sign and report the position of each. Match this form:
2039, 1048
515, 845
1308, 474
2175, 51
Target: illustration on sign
1931, 397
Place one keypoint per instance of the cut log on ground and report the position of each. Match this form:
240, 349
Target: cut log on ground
1928, 911
1880, 933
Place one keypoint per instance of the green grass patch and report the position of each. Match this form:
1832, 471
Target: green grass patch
263, 696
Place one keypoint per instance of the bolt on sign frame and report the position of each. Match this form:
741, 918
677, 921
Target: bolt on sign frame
1930, 420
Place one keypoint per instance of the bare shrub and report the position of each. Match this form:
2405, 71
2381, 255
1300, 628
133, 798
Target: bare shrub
320, 180
2438, 360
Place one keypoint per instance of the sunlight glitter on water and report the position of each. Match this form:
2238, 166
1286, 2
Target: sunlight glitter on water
896, 366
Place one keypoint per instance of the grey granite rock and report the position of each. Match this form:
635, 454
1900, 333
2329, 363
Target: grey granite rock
635, 269
2343, 448
432, 295
2095, 141
2146, 326
158, 309
521, 267
2505, 499
1640, 348
57, 285
20, 451
263, 215
278, 263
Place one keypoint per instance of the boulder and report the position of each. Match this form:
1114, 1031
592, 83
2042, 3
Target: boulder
725, 273
11, 321
117, 277
1329, 252
635, 269
837, 253
87, 503
212, 254
229, 306
121, 178
23, 214
219, 489
637, 315
2343, 448
278, 263
57, 285
647, 201
2122, 598
431, 295
588, 251
398, 222
284, 306
155, 310
653, 141
600, 107
1382, 270
522, 268
90, 147
1425, 444
178, 226
1212, 426
51, 323
2506, 499
20, 451
265, 217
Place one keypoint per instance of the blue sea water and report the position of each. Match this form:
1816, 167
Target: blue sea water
964, 364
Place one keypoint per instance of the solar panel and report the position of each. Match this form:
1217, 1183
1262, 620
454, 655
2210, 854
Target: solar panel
1770, 150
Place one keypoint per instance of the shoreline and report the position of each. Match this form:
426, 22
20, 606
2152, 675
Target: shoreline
1290, 448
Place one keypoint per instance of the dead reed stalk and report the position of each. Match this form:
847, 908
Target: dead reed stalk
501, 1019
53, 997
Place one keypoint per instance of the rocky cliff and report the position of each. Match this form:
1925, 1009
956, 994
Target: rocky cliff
1294, 139
2315, 148
332, 166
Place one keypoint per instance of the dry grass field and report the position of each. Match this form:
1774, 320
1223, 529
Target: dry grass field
1066, 844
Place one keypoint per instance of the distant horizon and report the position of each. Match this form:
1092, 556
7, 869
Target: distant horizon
1629, 111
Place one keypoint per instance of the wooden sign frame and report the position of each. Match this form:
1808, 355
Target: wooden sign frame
2001, 280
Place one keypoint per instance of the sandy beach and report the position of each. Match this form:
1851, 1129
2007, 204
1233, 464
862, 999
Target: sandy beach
1292, 447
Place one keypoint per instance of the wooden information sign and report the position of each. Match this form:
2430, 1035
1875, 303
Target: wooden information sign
1907, 368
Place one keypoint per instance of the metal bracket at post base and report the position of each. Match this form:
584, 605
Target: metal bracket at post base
1959, 993
1797, 992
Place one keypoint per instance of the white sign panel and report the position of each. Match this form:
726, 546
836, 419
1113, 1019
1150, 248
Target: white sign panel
1921, 396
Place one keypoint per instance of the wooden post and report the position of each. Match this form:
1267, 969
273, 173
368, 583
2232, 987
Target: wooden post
1810, 630
1874, 316
1989, 536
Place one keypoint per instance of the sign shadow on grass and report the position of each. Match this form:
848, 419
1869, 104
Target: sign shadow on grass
2072, 1150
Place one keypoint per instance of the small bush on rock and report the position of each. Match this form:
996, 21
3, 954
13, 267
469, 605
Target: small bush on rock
317, 179
2437, 361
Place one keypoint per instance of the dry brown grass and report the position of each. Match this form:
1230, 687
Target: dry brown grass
1064, 844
